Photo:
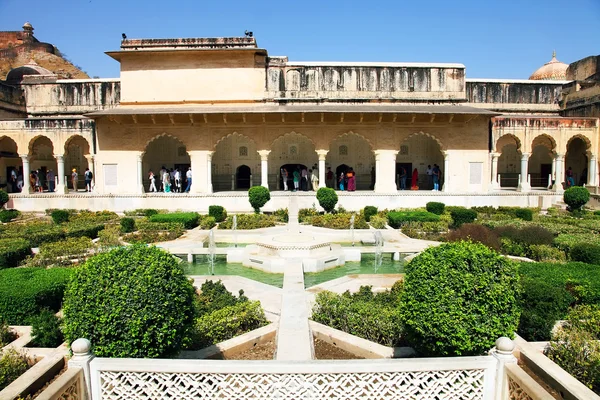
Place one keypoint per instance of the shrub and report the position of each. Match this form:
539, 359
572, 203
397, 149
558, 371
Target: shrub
327, 198
127, 225
585, 252
188, 219
450, 292
12, 365
45, 329
207, 223
597, 212
461, 215
24, 292
545, 253
227, 322
258, 197
217, 212
378, 222
109, 237
249, 221
339, 221
35, 232
576, 197
3, 198
147, 237
475, 233
75, 229
60, 216
586, 318
215, 296
524, 213
13, 251
62, 253
528, 235
142, 212
130, 302
8, 215
398, 218
281, 214
306, 214
435, 207
369, 211
93, 217
6, 335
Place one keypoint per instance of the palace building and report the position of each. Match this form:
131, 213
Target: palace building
239, 117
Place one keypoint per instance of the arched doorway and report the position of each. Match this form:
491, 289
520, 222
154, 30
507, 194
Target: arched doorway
165, 153
540, 161
41, 161
289, 168
351, 150
10, 166
76, 150
243, 175
576, 158
231, 153
419, 151
338, 172
509, 162
291, 149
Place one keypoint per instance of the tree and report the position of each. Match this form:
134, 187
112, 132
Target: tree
258, 197
327, 198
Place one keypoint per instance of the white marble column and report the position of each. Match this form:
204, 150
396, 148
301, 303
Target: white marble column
209, 186
92, 167
446, 172
322, 156
524, 185
26, 171
264, 167
495, 185
61, 187
201, 182
559, 162
140, 174
592, 172
385, 171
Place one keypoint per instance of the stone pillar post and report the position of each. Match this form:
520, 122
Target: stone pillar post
209, 186
61, 187
385, 171
200, 178
82, 357
495, 184
26, 172
322, 156
92, 167
524, 185
553, 176
140, 174
559, 162
264, 167
592, 172
503, 352
446, 172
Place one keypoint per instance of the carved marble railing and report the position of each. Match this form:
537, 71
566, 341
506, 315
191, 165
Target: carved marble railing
521, 386
69, 386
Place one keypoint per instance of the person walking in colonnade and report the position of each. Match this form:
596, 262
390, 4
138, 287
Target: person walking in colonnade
152, 178
314, 178
188, 177
436, 178
51, 178
88, 176
74, 178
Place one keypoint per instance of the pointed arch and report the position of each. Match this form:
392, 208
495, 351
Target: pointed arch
435, 138
7, 140
86, 149
162, 135
585, 139
351, 133
507, 139
232, 135
34, 139
292, 134
545, 140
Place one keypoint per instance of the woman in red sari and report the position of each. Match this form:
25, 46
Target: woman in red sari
351, 180
414, 180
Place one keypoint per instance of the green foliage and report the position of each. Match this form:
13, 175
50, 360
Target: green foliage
458, 299
475, 233
461, 215
8, 215
378, 222
218, 213
435, 207
281, 214
63, 253
258, 196
130, 302
374, 317
6, 335
398, 218
227, 322
127, 225
188, 219
585, 252
524, 214
88, 229
148, 237
45, 329
142, 212
527, 236
214, 296
3, 198
369, 211
60, 216
586, 318
26, 291
249, 221
207, 223
576, 197
597, 212
305, 215
13, 251
92, 217
339, 221
12, 365
35, 232
327, 198
546, 253
109, 237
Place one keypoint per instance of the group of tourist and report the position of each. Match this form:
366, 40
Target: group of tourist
170, 180
39, 181
300, 179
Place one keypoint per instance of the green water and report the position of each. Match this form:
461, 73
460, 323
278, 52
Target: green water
365, 266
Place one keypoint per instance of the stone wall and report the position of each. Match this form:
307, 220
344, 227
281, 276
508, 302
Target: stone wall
509, 96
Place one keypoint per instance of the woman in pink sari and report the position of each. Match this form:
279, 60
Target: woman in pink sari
351, 180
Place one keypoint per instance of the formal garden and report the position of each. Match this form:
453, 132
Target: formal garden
498, 271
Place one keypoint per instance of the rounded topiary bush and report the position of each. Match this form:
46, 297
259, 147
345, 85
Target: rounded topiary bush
461, 215
218, 213
435, 207
524, 213
127, 225
458, 299
576, 197
130, 302
60, 216
586, 252
327, 198
369, 211
3, 198
258, 197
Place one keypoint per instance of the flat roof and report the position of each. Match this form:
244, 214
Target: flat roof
532, 81
371, 64
296, 108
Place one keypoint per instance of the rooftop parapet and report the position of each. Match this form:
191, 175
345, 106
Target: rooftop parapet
189, 44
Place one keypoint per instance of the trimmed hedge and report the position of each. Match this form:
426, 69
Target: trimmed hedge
339, 221
60, 216
130, 302
525, 214
127, 225
83, 228
258, 196
36, 232
8, 215
398, 218
461, 215
587, 253
3, 198
207, 223
188, 219
576, 197
249, 221
435, 207
369, 211
327, 198
458, 299
24, 292
13, 251
218, 213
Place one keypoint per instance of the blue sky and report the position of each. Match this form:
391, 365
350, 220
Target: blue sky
493, 38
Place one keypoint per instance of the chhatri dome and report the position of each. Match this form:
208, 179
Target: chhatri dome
552, 70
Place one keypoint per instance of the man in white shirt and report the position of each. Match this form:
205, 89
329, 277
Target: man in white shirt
188, 176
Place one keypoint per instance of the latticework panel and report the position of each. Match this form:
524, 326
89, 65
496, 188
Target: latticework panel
442, 385
71, 392
516, 392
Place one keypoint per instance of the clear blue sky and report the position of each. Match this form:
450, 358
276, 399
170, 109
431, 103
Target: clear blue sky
493, 38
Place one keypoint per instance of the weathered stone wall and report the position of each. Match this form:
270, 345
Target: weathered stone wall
344, 82
584, 69
524, 96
